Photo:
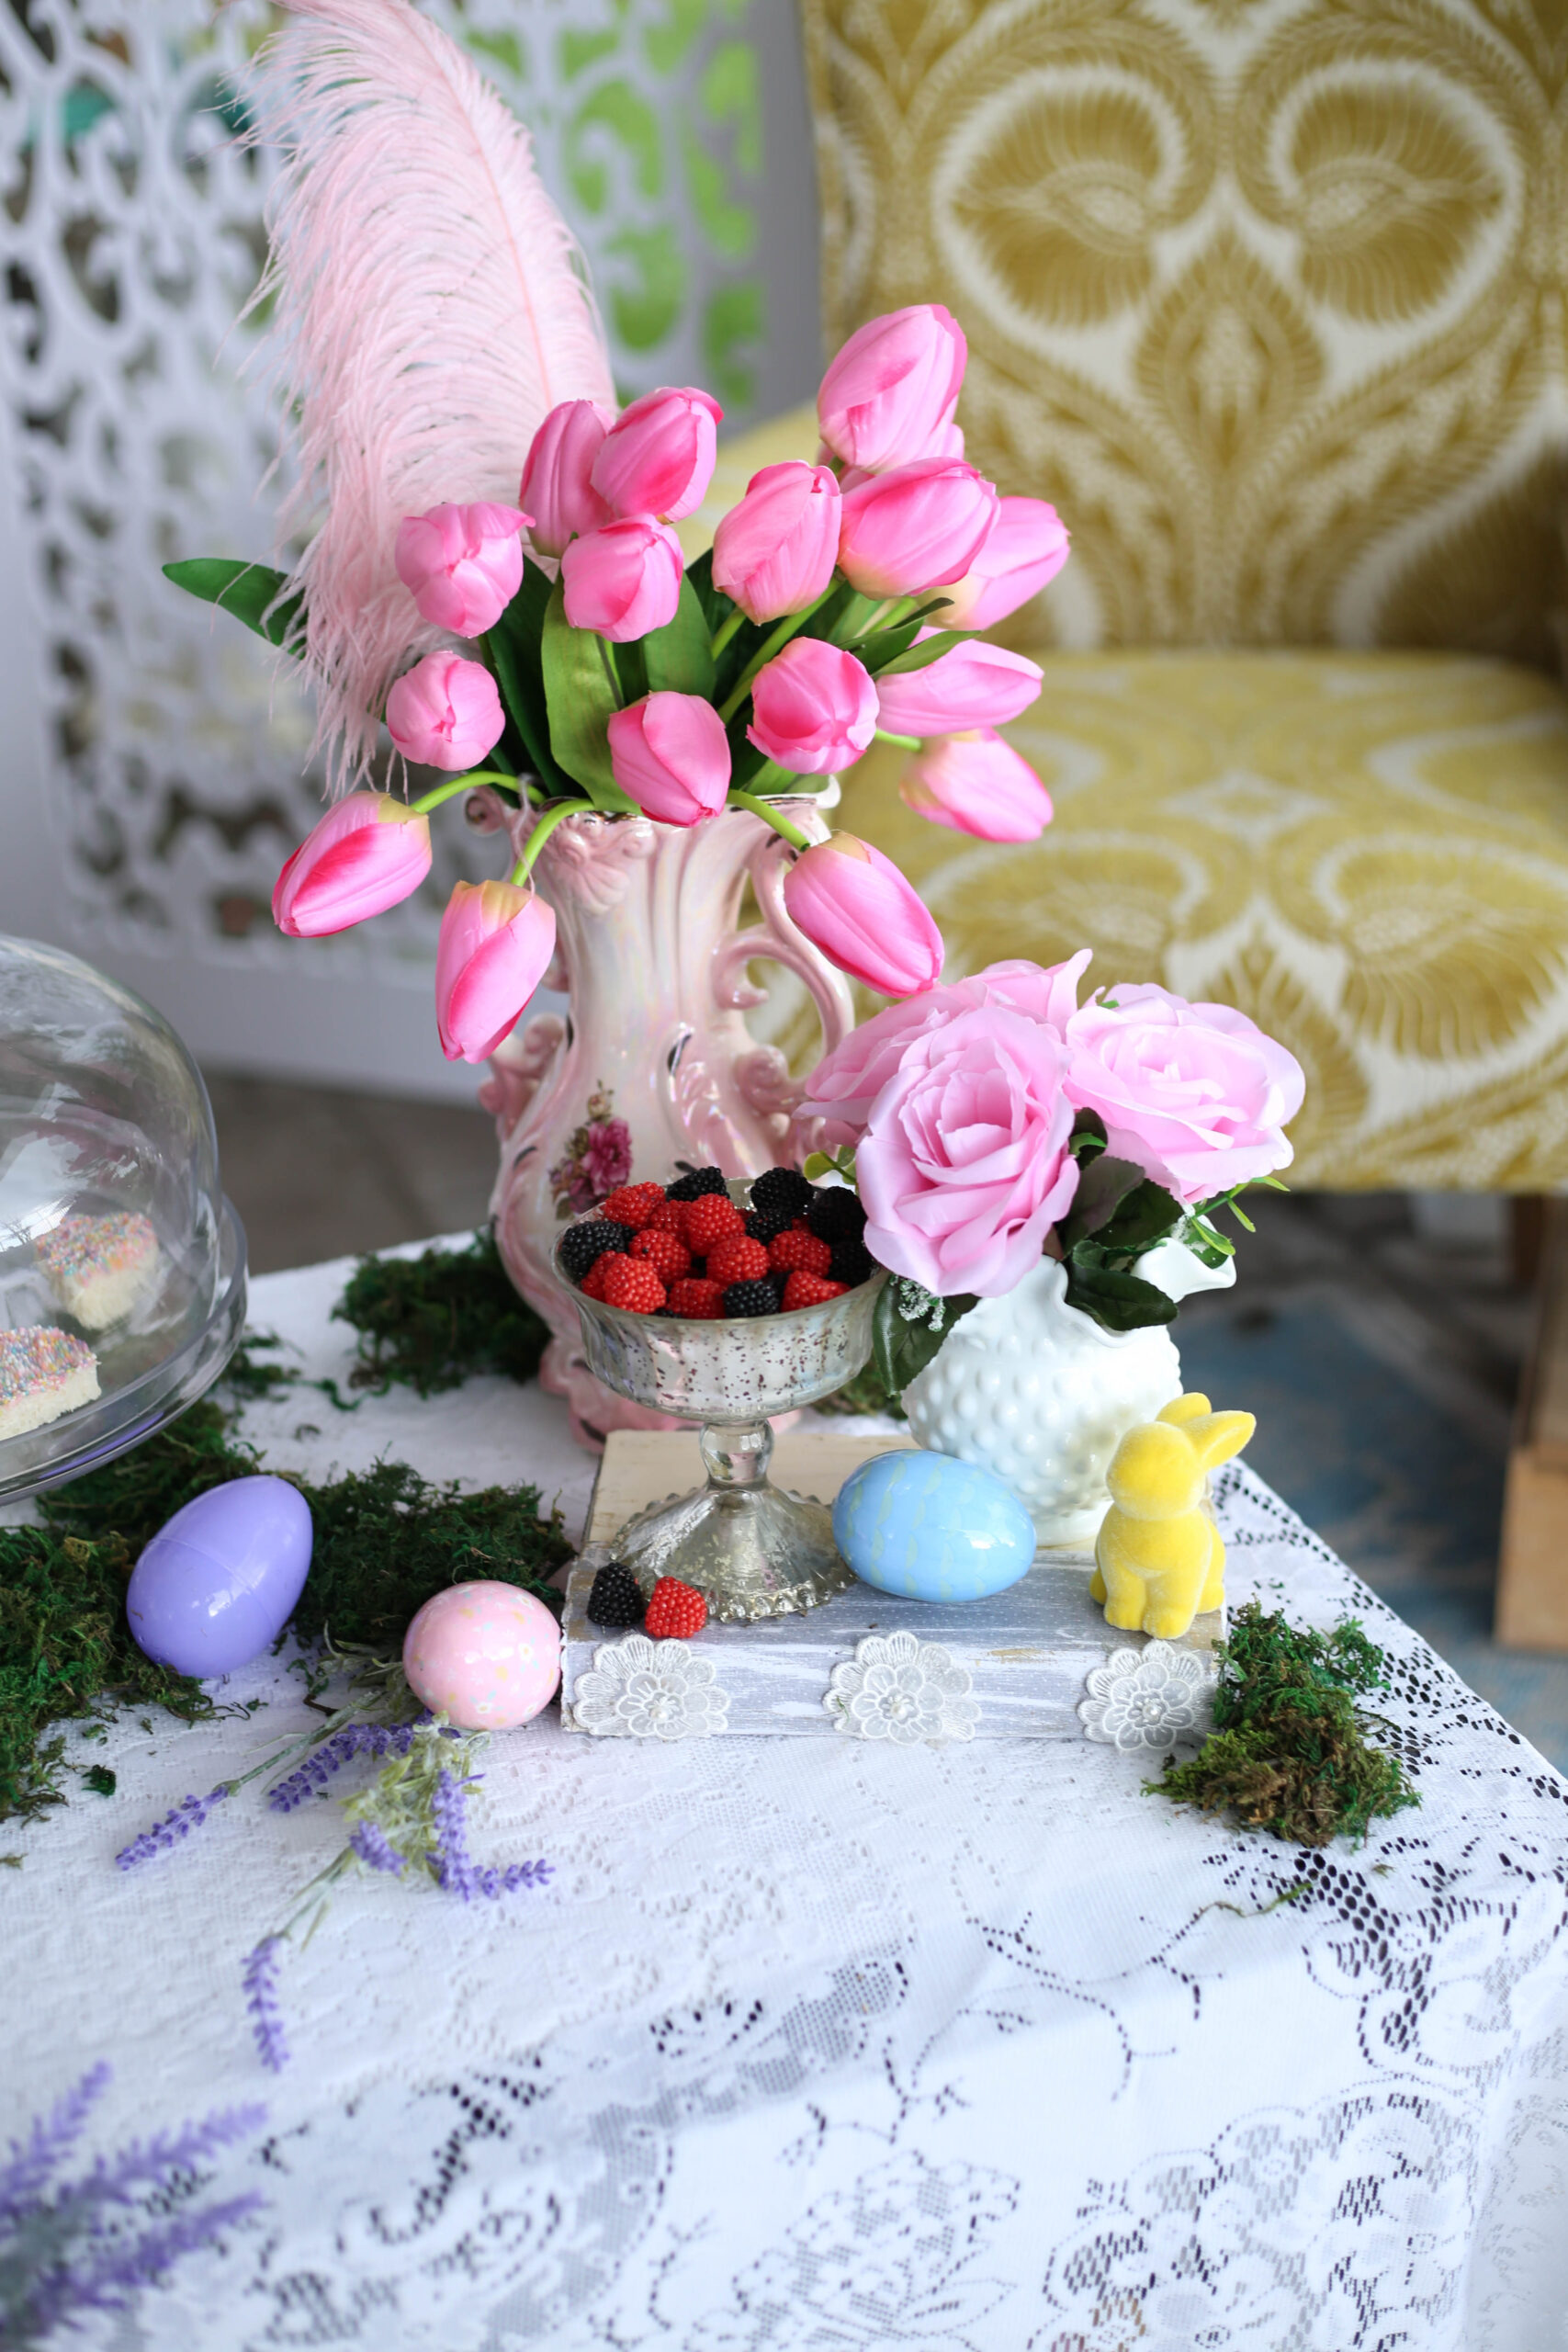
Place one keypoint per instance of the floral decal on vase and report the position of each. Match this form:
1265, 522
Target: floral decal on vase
1148, 1698
598, 1157
643, 1689
902, 1690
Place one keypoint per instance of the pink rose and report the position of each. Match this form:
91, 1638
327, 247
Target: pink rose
964, 1166
1194, 1093
844, 1085
607, 1162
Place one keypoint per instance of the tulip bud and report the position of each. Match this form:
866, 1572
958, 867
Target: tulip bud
495, 946
854, 905
1028, 547
444, 712
893, 386
556, 486
624, 579
462, 565
657, 457
813, 707
973, 685
671, 752
366, 855
976, 783
774, 552
915, 529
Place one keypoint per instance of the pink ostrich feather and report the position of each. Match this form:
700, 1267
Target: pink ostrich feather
431, 306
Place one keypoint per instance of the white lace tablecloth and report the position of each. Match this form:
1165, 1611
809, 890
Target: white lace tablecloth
812, 2047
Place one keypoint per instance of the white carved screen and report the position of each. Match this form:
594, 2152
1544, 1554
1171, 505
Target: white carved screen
153, 767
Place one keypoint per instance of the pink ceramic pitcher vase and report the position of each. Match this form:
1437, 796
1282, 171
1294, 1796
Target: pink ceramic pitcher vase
653, 1063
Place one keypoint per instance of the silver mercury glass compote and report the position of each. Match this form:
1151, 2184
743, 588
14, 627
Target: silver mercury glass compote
751, 1549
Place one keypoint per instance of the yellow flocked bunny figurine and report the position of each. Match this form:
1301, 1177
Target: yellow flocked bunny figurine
1159, 1559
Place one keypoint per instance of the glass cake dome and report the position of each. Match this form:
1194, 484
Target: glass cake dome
122, 1267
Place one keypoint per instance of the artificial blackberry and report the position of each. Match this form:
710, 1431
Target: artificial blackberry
851, 1262
783, 1193
582, 1244
836, 1214
616, 1598
752, 1298
766, 1225
694, 1183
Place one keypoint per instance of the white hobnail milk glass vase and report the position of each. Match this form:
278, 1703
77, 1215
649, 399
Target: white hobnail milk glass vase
1030, 1388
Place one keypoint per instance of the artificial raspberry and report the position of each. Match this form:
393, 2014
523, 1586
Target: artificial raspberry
694, 1183
851, 1265
675, 1611
631, 1284
614, 1596
581, 1244
751, 1298
592, 1282
665, 1253
736, 1259
708, 1219
669, 1216
703, 1301
634, 1204
810, 1290
836, 1214
781, 1191
799, 1253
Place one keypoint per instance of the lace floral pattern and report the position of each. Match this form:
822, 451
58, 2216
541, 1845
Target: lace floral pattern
1148, 1698
643, 1689
899, 1688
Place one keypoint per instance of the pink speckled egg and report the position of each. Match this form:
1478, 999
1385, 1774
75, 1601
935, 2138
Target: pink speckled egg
484, 1654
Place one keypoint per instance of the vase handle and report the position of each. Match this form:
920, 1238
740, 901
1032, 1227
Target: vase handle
762, 1074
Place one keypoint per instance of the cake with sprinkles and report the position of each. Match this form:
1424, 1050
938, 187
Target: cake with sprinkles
99, 1267
43, 1373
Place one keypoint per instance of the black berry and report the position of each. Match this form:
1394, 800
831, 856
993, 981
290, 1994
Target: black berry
766, 1225
694, 1183
851, 1262
582, 1244
752, 1298
616, 1596
836, 1216
783, 1193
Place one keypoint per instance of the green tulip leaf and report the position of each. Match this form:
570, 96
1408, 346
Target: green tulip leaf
581, 695
514, 647
918, 657
679, 659
249, 591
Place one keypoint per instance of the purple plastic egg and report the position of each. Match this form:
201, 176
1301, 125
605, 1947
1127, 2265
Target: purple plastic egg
218, 1583
484, 1654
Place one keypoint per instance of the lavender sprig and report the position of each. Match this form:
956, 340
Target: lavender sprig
120, 2271
355, 1739
26, 2172
374, 1848
260, 1981
188, 1815
451, 1865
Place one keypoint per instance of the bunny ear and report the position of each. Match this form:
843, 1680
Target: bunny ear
1191, 1408
1221, 1436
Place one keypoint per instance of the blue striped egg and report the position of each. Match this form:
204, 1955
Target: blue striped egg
931, 1527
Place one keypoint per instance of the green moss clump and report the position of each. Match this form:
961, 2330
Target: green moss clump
1289, 1752
432, 1321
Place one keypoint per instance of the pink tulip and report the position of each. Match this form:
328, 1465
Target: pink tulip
555, 485
657, 457
671, 752
1027, 547
972, 686
893, 386
462, 565
624, 579
854, 905
774, 552
444, 712
917, 528
495, 946
813, 707
976, 783
366, 855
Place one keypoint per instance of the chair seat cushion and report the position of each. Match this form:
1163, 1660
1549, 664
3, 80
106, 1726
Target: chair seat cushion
1367, 853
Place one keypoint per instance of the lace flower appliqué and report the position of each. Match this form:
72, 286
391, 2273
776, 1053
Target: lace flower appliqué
1147, 1698
642, 1689
903, 1690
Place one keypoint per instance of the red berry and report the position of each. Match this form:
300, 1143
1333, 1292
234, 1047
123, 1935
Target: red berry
802, 1253
708, 1219
736, 1259
665, 1253
634, 1204
806, 1290
669, 1216
675, 1611
631, 1283
702, 1300
592, 1282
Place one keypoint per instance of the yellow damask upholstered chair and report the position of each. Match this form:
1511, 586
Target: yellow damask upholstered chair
1268, 297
